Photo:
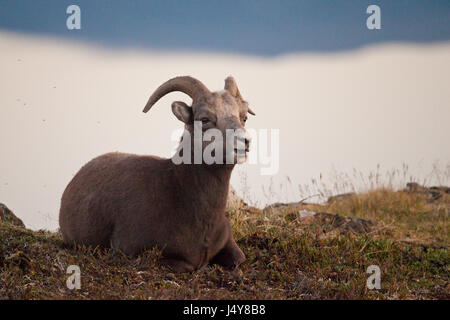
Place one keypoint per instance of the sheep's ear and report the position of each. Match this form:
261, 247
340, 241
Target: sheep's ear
182, 111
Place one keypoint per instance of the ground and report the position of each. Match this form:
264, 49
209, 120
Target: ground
291, 254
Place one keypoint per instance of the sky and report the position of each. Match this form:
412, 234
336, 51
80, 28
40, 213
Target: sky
256, 27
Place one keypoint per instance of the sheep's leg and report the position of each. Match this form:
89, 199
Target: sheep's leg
177, 265
231, 256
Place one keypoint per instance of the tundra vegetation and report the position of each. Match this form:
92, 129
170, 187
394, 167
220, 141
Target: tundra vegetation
291, 254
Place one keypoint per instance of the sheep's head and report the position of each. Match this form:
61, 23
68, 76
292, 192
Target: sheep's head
223, 112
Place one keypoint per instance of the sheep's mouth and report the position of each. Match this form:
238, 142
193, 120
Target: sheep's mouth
241, 151
240, 155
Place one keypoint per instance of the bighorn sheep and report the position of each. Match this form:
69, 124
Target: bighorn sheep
132, 203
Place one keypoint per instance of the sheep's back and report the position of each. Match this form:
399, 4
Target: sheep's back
102, 191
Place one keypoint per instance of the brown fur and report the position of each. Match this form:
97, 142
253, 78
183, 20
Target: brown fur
132, 203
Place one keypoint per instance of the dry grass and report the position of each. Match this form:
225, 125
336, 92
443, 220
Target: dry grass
409, 216
288, 257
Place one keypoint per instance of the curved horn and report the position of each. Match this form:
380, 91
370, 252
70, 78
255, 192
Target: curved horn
191, 86
231, 87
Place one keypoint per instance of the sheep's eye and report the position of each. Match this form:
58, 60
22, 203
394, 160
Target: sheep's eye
245, 119
205, 120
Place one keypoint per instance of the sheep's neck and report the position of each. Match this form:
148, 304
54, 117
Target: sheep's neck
208, 184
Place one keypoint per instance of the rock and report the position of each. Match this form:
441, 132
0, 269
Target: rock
305, 216
281, 205
332, 222
286, 207
7, 216
414, 187
356, 225
339, 197
435, 192
329, 221
306, 213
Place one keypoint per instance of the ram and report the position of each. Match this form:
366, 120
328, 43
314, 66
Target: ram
136, 202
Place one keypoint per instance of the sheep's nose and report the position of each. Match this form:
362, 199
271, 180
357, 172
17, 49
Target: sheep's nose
246, 140
247, 143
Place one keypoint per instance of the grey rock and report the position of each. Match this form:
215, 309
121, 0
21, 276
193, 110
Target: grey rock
8, 216
339, 197
435, 192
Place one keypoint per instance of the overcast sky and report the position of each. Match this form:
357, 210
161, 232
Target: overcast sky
260, 27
